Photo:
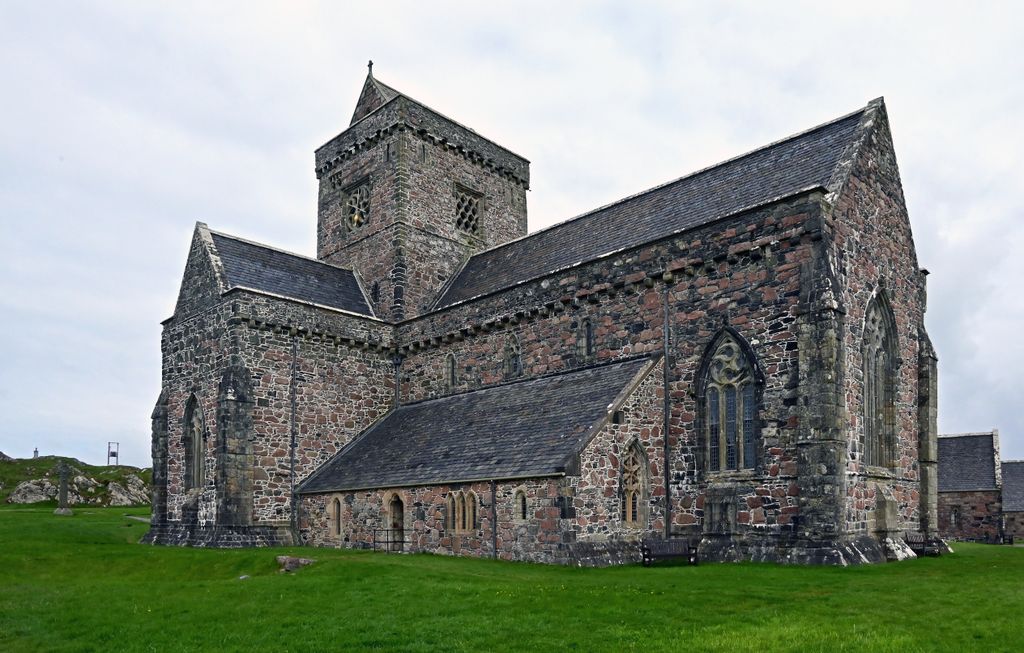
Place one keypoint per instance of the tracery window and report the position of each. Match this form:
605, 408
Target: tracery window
730, 407
513, 358
193, 441
633, 487
467, 210
879, 362
356, 206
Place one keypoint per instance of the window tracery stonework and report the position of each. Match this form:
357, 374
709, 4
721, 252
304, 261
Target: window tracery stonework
730, 408
633, 487
356, 206
467, 210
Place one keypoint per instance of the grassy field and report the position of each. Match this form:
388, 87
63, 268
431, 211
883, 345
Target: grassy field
82, 584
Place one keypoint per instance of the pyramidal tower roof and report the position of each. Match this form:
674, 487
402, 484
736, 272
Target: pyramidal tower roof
374, 95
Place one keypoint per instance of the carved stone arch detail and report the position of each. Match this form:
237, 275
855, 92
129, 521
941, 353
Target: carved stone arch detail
730, 385
634, 486
194, 435
728, 333
879, 368
512, 357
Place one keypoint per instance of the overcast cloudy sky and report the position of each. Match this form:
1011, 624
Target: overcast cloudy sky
121, 124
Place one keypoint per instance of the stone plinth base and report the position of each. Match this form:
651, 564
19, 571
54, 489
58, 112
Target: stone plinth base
228, 537
792, 550
64, 512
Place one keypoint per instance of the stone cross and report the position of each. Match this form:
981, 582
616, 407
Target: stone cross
62, 496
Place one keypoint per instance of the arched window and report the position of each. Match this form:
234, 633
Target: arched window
585, 339
335, 517
730, 405
396, 523
449, 518
633, 487
513, 358
954, 518
470, 514
520, 506
193, 441
450, 378
879, 365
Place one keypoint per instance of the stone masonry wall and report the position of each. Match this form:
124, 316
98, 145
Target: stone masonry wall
540, 538
979, 515
597, 490
324, 377
414, 161
872, 251
744, 272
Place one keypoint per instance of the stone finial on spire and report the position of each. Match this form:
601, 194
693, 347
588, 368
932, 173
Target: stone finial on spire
370, 67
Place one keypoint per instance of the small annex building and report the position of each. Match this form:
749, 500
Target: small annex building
736, 358
981, 498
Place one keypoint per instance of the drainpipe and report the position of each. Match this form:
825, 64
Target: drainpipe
666, 408
293, 400
494, 519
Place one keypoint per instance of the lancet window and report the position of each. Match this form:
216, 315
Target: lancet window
879, 383
193, 441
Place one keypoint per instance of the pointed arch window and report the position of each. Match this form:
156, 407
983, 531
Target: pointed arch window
880, 364
335, 517
585, 339
462, 511
450, 377
730, 406
520, 507
633, 487
193, 441
513, 358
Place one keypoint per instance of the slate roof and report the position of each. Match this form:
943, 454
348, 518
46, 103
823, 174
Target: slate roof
250, 265
800, 162
967, 461
522, 429
1013, 485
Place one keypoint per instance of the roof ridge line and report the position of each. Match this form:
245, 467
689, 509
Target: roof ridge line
966, 434
277, 249
400, 94
670, 234
550, 375
676, 180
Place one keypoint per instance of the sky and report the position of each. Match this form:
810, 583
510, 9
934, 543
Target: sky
123, 123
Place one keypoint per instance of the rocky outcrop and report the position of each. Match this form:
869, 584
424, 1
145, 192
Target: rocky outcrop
83, 490
4, 456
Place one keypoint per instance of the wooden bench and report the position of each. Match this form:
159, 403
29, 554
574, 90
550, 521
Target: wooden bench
918, 543
652, 551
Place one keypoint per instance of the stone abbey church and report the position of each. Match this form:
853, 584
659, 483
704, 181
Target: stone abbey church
736, 359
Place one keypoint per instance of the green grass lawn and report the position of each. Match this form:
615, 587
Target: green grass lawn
82, 584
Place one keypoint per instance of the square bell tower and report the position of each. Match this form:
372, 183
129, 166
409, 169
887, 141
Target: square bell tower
408, 194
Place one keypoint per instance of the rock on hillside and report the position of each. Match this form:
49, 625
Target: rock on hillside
87, 485
4, 456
